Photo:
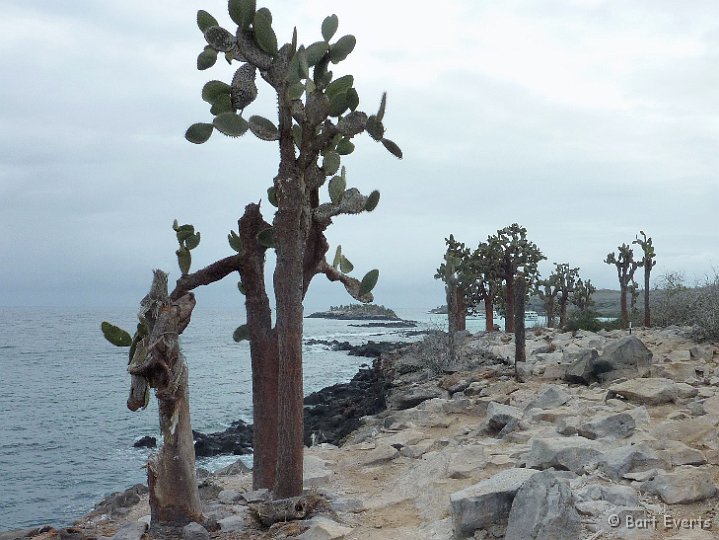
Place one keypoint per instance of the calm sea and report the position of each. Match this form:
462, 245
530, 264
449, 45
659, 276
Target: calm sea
65, 433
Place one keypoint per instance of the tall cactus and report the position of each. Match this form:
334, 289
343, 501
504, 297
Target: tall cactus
515, 253
626, 266
582, 295
648, 263
566, 284
318, 117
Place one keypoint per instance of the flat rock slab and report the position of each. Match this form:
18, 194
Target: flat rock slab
617, 462
563, 453
616, 426
488, 502
550, 397
544, 508
131, 531
499, 415
323, 528
315, 472
382, 454
649, 391
683, 485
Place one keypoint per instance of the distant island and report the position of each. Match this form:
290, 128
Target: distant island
441, 310
357, 312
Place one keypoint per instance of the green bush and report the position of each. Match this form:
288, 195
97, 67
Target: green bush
588, 320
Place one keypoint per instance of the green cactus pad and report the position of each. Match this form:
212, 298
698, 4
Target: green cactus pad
345, 265
221, 105
344, 46
296, 90
241, 288
272, 196
392, 147
207, 58
235, 242
263, 128
175, 225
316, 52
199, 133
338, 104
329, 27
193, 241
336, 187
184, 232
213, 90
339, 86
184, 260
220, 39
230, 124
352, 99
297, 135
372, 201
115, 335
345, 147
368, 282
205, 20
338, 256
331, 163
264, 34
241, 333
266, 238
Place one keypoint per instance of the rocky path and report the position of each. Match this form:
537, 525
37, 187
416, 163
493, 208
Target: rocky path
609, 436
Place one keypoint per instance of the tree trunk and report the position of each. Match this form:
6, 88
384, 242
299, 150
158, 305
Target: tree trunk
174, 497
623, 306
549, 310
452, 314
263, 350
509, 316
520, 354
563, 310
461, 310
647, 315
488, 314
291, 226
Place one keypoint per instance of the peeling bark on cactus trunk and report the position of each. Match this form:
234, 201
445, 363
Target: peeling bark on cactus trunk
461, 310
174, 497
623, 305
489, 314
647, 315
263, 350
291, 225
520, 354
509, 318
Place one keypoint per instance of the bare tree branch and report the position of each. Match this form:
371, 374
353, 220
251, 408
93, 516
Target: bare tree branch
209, 274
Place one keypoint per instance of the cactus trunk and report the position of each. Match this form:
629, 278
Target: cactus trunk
489, 314
520, 353
509, 316
647, 315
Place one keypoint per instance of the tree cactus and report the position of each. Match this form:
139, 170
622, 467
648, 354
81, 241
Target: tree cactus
317, 118
626, 266
647, 263
514, 253
582, 295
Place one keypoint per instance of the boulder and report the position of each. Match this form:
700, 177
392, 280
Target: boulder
683, 485
146, 442
488, 502
544, 508
499, 415
618, 426
563, 453
616, 462
550, 397
677, 371
195, 531
650, 391
625, 357
25, 533
315, 472
382, 454
233, 469
323, 528
410, 396
236, 439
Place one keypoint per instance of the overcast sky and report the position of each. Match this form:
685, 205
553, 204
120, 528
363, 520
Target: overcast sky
583, 120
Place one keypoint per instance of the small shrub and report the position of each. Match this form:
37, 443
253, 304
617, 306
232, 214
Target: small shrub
588, 320
433, 351
698, 306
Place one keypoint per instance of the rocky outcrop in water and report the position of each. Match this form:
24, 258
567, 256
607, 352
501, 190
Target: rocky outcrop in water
372, 349
236, 439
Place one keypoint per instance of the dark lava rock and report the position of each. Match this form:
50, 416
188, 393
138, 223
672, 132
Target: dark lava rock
334, 412
116, 502
372, 349
146, 442
236, 439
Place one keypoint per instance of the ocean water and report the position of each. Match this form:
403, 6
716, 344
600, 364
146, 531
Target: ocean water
66, 434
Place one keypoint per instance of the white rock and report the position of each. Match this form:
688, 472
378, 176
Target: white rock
323, 528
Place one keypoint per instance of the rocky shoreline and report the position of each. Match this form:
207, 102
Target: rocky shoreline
606, 431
